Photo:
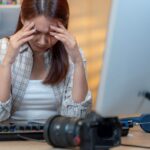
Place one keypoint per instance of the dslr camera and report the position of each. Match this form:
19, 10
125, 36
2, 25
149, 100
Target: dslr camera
91, 133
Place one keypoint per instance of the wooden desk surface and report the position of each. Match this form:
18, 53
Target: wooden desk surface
135, 137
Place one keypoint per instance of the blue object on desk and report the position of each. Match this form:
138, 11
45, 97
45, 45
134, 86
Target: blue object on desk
143, 121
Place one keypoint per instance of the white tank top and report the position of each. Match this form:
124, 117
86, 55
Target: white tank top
39, 102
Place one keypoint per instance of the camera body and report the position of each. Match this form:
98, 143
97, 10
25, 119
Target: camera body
92, 133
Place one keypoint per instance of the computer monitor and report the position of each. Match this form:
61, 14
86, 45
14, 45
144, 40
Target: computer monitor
8, 19
126, 68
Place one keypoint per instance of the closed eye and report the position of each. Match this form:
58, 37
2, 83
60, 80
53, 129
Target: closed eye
38, 33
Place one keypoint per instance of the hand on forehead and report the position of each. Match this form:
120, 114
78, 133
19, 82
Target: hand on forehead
43, 24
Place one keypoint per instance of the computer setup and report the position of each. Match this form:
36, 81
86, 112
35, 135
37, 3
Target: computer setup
124, 87
125, 84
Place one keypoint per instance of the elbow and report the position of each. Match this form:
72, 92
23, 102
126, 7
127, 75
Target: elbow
78, 98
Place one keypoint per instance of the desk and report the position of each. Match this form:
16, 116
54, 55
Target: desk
135, 137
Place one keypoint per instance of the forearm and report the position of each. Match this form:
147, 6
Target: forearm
5, 80
80, 86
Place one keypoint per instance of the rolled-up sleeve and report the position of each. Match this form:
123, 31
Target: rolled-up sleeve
69, 107
5, 107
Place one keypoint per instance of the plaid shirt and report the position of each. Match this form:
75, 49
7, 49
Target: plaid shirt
20, 76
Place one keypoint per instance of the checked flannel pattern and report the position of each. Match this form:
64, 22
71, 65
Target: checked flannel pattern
20, 75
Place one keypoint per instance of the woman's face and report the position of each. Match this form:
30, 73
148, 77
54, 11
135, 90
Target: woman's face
42, 40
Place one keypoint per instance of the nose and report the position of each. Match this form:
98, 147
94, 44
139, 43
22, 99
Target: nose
42, 40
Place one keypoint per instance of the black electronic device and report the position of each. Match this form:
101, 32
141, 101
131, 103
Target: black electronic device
92, 133
12, 131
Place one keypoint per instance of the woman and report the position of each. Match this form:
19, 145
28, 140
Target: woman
42, 70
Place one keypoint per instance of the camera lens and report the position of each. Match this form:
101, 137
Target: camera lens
62, 131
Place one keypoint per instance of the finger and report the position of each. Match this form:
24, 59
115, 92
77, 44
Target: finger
57, 29
65, 36
52, 33
60, 37
24, 40
30, 26
25, 26
25, 34
57, 34
61, 25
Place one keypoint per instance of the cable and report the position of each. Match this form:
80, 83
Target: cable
30, 139
141, 123
138, 146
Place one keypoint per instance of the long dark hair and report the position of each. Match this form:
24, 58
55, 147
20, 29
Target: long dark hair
57, 9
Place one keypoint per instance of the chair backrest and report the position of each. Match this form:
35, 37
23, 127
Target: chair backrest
8, 19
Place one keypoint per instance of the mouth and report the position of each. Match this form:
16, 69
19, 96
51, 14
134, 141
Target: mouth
41, 47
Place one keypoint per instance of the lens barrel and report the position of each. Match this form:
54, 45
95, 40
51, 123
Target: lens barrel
62, 131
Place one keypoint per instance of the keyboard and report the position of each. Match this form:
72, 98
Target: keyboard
28, 131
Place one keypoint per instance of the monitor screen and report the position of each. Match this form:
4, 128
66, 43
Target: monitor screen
8, 19
125, 75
